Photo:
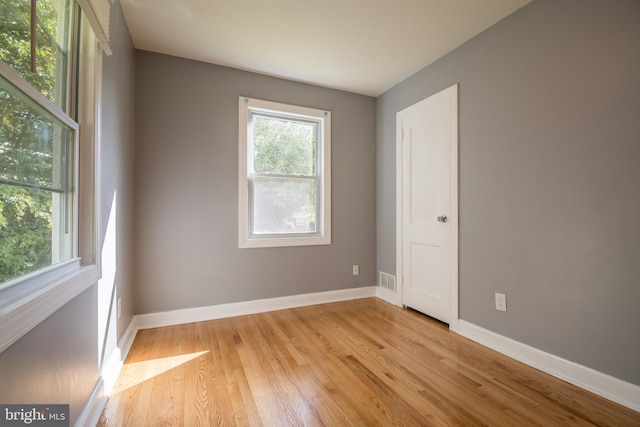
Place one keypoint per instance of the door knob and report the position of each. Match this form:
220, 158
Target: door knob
442, 218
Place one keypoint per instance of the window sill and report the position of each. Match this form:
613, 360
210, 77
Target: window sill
279, 242
27, 302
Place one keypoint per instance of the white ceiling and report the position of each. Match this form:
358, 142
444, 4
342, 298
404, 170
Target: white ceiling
361, 46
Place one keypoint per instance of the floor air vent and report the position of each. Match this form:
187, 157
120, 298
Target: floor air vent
387, 281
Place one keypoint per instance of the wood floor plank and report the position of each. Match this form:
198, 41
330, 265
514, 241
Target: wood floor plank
355, 363
241, 400
329, 373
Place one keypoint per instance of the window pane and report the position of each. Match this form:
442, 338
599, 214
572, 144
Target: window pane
284, 205
33, 143
35, 202
52, 44
25, 231
284, 146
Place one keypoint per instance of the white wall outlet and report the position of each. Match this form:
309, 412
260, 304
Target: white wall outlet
356, 270
501, 302
119, 307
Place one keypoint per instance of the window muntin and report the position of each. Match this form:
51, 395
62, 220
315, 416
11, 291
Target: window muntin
285, 175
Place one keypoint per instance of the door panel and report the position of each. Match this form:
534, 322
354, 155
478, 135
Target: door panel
427, 135
425, 260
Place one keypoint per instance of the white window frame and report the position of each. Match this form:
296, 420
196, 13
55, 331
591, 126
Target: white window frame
323, 235
28, 300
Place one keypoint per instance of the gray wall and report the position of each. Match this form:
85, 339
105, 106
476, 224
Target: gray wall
117, 162
59, 360
186, 233
549, 177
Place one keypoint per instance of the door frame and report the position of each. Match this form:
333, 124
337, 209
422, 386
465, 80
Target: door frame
453, 208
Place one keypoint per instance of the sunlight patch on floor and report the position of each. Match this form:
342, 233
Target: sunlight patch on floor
138, 372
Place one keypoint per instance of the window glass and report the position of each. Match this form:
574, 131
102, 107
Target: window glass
53, 35
284, 145
284, 205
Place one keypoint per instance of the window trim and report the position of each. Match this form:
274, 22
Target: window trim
323, 236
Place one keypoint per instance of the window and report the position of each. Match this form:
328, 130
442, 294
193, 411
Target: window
49, 182
285, 181
38, 139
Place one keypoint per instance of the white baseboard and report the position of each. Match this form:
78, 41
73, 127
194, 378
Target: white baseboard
604, 385
90, 414
126, 341
112, 368
387, 295
97, 400
199, 314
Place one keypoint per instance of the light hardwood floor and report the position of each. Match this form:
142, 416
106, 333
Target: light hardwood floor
360, 363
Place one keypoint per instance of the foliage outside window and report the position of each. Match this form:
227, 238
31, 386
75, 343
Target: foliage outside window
53, 36
37, 139
285, 180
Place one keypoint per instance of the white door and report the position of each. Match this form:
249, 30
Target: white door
427, 133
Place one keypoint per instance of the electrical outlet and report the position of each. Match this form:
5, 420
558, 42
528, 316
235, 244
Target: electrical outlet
501, 302
119, 307
356, 270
